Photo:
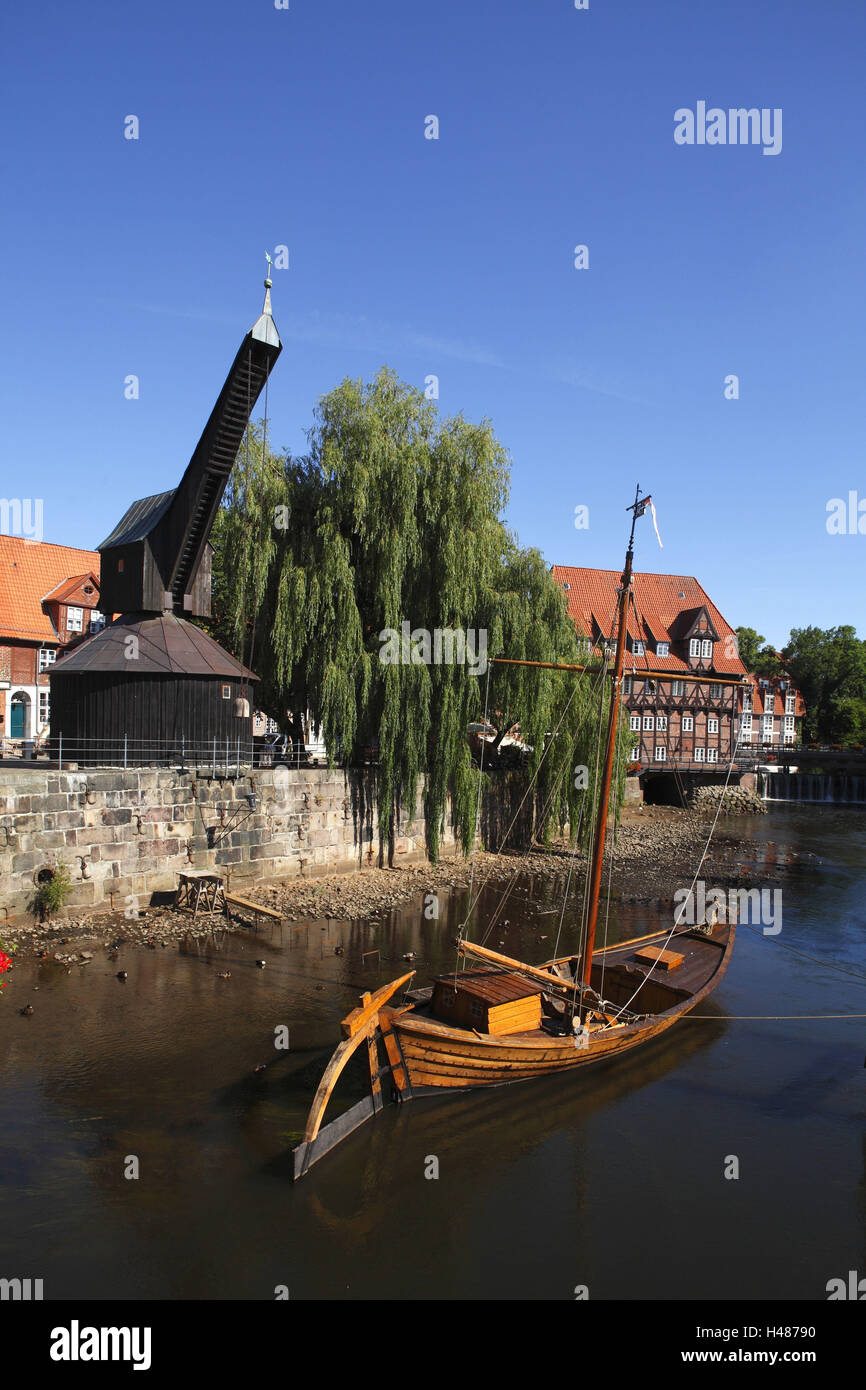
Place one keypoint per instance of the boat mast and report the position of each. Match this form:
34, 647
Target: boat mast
637, 509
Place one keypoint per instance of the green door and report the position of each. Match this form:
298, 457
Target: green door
17, 726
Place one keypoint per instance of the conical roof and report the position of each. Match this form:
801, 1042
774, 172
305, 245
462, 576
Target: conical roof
163, 646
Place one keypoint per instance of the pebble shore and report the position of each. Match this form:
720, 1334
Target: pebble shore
657, 849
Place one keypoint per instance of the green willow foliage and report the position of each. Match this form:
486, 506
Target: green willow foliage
394, 517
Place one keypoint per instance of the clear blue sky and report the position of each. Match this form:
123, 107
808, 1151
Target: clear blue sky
454, 257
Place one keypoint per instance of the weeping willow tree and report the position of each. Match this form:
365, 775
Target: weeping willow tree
371, 581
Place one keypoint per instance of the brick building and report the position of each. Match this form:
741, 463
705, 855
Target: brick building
771, 713
684, 681
49, 599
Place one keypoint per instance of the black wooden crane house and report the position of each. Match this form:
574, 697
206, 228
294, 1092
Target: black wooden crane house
152, 687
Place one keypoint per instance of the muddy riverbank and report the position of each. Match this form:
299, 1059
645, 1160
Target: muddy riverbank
657, 850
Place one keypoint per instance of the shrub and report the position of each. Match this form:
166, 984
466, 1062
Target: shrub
53, 892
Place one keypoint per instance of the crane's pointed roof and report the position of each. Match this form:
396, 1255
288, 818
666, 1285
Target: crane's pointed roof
264, 330
139, 518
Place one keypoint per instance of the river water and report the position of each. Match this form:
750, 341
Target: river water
613, 1178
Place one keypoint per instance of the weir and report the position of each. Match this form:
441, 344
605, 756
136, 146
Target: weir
821, 788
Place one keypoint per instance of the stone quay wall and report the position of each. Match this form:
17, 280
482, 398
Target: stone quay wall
124, 835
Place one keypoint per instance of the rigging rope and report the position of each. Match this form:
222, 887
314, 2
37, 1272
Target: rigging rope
533, 779
544, 813
706, 848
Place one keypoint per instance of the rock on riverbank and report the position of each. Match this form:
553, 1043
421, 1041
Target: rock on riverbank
735, 801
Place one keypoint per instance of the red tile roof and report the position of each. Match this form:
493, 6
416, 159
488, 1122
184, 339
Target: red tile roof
666, 605
63, 591
772, 701
28, 571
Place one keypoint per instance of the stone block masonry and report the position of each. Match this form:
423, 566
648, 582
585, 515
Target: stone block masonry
126, 834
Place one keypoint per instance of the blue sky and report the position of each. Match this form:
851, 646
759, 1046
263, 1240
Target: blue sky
454, 257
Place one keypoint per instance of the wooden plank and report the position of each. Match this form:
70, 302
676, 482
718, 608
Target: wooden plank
373, 1063
654, 955
392, 1047
308, 1153
468, 948
253, 907
370, 1005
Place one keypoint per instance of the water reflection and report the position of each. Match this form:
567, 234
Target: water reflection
541, 1185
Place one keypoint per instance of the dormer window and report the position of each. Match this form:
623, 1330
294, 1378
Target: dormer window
663, 648
707, 647
74, 619
637, 646
694, 646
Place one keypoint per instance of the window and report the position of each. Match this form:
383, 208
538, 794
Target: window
635, 754
790, 704
745, 736
688, 723
746, 722
789, 724
663, 649
661, 753
712, 725
699, 755
767, 722
97, 620
649, 721
74, 619
47, 657
446, 999
661, 721
747, 700
627, 683
44, 707
712, 755
634, 723
477, 1009
637, 646
715, 690
227, 692
695, 646
679, 688
707, 647
120, 567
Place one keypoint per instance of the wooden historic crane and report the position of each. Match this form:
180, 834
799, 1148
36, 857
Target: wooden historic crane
157, 558
151, 682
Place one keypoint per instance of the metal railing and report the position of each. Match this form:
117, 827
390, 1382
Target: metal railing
222, 756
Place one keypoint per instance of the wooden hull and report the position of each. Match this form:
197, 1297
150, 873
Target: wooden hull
425, 1053
426, 1056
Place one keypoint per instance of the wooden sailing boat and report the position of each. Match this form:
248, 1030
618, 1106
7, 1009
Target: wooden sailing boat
509, 1021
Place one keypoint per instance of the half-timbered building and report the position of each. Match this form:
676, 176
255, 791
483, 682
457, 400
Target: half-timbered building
771, 713
684, 678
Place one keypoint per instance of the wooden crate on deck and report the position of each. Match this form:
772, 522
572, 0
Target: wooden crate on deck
490, 1001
